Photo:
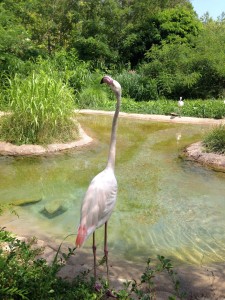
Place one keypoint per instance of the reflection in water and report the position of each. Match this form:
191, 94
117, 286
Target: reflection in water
165, 205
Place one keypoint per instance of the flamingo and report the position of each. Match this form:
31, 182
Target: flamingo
100, 197
180, 105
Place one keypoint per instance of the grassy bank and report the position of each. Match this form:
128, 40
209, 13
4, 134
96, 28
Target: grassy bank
214, 109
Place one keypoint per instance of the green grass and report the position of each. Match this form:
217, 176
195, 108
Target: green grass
41, 107
192, 108
214, 141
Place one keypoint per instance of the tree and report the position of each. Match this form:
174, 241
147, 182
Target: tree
191, 66
177, 25
209, 58
15, 42
151, 22
172, 68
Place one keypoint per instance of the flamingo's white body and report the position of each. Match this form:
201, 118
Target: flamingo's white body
180, 102
180, 105
100, 197
98, 204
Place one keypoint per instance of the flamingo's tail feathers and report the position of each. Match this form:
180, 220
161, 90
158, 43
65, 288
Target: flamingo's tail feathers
81, 236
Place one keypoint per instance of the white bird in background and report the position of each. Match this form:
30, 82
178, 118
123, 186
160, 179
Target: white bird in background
180, 105
100, 197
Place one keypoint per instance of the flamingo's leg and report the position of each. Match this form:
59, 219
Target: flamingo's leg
106, 251
94, 253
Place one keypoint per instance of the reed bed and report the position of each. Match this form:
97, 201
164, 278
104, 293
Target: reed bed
41, 108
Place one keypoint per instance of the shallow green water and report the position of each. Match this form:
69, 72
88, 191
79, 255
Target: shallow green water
165, 205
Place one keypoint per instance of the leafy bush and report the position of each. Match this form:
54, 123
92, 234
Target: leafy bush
204, 109
42, 107
214, 141
72, 71
24, 276
92, 97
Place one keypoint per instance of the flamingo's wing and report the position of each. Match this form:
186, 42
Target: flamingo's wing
106, 195
98, 204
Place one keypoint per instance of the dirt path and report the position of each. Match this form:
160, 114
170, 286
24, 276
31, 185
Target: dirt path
160, 118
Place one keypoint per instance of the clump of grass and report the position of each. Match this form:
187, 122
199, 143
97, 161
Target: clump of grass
41, 109
214, 141
92, 97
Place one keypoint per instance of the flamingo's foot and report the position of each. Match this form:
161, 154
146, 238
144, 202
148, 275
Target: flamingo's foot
111, 294
98, 287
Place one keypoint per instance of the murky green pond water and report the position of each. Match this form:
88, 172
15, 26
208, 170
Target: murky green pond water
165, 205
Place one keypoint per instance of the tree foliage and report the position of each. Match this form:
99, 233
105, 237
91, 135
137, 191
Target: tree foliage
161, 39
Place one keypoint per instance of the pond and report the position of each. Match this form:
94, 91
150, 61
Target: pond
165, 205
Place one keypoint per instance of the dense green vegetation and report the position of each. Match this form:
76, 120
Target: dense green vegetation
165, 50
52, 56
26, 275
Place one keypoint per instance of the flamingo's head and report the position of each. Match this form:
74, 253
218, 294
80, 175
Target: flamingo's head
114, 85
107, 79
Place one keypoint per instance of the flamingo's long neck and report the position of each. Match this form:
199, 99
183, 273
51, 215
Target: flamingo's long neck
112, 148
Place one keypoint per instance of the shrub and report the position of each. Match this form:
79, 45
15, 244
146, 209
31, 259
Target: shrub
71, 70
24, 276
42, 107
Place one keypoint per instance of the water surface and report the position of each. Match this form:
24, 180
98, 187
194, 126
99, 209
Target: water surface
165, 205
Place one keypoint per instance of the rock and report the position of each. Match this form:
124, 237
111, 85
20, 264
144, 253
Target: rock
53, 209
195, 152
24, 202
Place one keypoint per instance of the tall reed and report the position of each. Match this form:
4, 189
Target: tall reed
42, 107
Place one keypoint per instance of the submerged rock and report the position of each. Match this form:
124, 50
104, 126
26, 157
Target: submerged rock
53, 209
24, 202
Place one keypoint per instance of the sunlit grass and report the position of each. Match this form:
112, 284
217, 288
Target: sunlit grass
214, 141
192, 108
41, 109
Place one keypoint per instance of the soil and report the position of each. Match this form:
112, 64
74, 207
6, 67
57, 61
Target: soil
199, 282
